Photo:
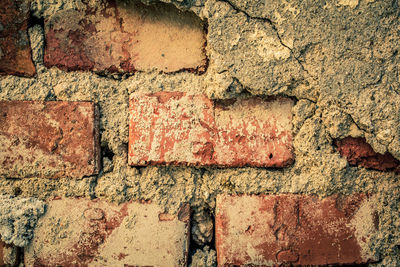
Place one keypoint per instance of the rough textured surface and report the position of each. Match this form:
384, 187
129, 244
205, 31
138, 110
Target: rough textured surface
15, 50
178, 128
48, 139
9, 254
204, 258
294, 229
97, 233
249, 53
202, 227
342, 47
358, 152
18, 218
125, 36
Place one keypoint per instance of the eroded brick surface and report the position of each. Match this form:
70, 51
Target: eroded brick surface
359, 153
15, 50
81, 232
121, 36
48, 139
178, 128
254, 132
293, 229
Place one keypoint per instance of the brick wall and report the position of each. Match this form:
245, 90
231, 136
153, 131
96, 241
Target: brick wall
199, 133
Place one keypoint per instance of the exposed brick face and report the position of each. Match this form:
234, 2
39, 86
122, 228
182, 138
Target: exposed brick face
293, 229
15, 50
179, 128
359, 153
98, 233
2, 245
48, 139
124, 37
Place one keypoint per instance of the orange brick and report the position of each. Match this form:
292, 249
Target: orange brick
48, 139
294, 229
179, 128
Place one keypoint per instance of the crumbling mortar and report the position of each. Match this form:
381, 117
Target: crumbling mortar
269, 21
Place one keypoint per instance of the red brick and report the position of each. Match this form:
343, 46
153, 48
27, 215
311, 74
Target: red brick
125, 37
359, 153
2, 245
48, 139
15, 50
81, 232
179, 128
293, 229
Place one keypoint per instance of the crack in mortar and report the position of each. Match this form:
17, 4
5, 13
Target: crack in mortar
275, 30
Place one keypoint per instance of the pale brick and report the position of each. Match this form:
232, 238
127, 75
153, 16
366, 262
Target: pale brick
81, 232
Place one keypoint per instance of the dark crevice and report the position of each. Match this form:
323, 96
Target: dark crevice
17, 191
202, 171
92, 186
51, 96
35, 21
107, 152
193, 247
391, 88
118, 76
373, 83
140, 169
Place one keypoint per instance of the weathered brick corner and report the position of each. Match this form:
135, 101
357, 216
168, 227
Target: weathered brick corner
359, 153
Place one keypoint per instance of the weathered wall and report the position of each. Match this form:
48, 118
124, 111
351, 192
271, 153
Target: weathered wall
337, 60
